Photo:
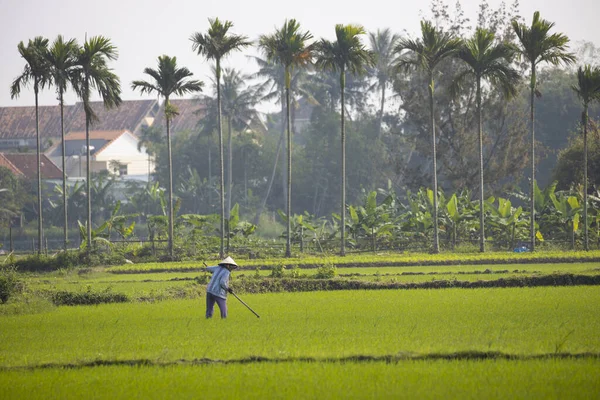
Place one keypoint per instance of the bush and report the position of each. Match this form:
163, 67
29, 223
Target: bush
10, 284
326, 271
66, 298
295, 272
277, 271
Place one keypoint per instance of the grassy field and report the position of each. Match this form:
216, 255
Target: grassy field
498, 379
524, 321
379, 259
539, 342
150, 284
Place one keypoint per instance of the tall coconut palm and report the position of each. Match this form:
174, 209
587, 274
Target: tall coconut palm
288, 47
238, 110
487, 60
382, 44
425, 54
538, 46
215, 45
36, 72
62, 58
93, 74
273, 88
347, 53
588, 90
168, 80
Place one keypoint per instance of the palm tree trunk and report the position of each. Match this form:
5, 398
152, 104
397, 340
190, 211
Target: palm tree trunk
229, 179
381, 110
270, 185
64, 177
480, 128
39, 171
585, 179
343, 146
229, 167
531, 190
87, 179
436, 241
288, 245
221, 172
170, 161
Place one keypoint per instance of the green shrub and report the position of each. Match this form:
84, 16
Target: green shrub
10, 284
294, 272
202, 279
277, 271
66, 298
326, 271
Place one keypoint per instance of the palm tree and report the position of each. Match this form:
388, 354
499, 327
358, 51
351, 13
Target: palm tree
426, 54
588, 90
215, 45
273, 88
37, 72
168, 80
382, 45
491, 61
538, 46
347, 53
62, 58
288, 47
239, 111
93, 73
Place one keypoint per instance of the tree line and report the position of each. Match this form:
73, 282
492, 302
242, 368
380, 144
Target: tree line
483, 69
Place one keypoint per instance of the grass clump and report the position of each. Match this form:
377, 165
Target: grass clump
326, 271
89, 297
10, 283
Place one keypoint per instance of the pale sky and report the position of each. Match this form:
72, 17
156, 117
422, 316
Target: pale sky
143, 30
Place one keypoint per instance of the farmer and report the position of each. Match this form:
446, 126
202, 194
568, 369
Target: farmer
218, 287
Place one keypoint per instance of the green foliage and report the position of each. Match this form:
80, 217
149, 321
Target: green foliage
277, 271
10, 283
326, 271
89, 297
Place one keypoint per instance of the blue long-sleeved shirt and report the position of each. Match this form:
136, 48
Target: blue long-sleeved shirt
219, 283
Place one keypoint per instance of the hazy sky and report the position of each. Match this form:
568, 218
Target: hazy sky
143, 30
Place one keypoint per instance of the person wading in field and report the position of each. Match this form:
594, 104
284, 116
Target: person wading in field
218, 287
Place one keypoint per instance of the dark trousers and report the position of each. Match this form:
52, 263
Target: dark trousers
210, 305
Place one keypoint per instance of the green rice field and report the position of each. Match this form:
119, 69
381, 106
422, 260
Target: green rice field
528, 342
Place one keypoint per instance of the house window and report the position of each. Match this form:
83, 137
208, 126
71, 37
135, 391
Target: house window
122, 170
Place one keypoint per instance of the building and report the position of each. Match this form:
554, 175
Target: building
17, 124
25, 165
113, 151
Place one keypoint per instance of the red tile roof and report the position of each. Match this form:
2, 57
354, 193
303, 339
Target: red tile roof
129, 115
19, 122
26, 163
5, 162
104, 135
190, 113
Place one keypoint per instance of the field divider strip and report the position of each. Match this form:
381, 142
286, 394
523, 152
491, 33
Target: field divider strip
395, 358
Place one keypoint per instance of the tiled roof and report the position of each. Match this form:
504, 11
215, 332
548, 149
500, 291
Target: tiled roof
129, 115
26, 164
75, 142
19, 122
104, 135
5, 162
188, 117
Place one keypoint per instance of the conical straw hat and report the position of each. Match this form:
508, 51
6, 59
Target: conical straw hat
228, 261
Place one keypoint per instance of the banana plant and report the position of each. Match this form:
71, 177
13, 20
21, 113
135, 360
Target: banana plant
98, 235
371, 220
567, 211
506, 221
